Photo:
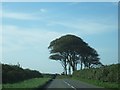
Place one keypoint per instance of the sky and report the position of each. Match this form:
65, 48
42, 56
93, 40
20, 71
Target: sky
29, 27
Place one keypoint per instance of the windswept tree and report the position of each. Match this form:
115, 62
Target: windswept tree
62, 60
70, 50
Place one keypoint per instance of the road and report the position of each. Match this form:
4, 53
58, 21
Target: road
68, 83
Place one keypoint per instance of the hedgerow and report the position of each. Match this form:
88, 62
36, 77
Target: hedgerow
14, 73
108, 73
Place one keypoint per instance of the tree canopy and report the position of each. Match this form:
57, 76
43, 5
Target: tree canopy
71, 51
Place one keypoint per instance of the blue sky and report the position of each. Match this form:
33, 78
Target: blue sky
28, 28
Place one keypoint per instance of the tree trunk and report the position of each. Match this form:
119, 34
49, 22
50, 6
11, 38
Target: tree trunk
81, 65
65, 71
69, 70
75, 66
65, 68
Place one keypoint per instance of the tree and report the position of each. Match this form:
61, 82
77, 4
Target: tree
62, 59
69, 50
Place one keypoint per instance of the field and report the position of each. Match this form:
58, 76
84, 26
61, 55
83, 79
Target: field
31, 83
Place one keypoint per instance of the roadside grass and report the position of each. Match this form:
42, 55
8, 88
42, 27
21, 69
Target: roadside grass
108, 85
27, 84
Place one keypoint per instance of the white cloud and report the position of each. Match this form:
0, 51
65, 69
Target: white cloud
20, 16
88, 26
15, 38
43, 10
29, 47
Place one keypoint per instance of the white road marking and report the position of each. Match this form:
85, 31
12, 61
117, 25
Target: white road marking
70, 85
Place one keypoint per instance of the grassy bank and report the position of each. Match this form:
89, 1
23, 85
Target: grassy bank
31, 83
98, 83
107, 76
110, 85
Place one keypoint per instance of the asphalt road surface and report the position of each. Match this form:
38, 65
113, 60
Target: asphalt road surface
68, 83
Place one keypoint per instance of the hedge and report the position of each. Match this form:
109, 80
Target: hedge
14, 73
106, 73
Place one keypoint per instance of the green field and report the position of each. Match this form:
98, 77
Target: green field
31, 83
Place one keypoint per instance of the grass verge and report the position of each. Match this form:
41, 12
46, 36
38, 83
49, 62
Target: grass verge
99, 83
31, 83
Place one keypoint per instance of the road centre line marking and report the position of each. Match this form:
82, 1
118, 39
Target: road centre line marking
70, 85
